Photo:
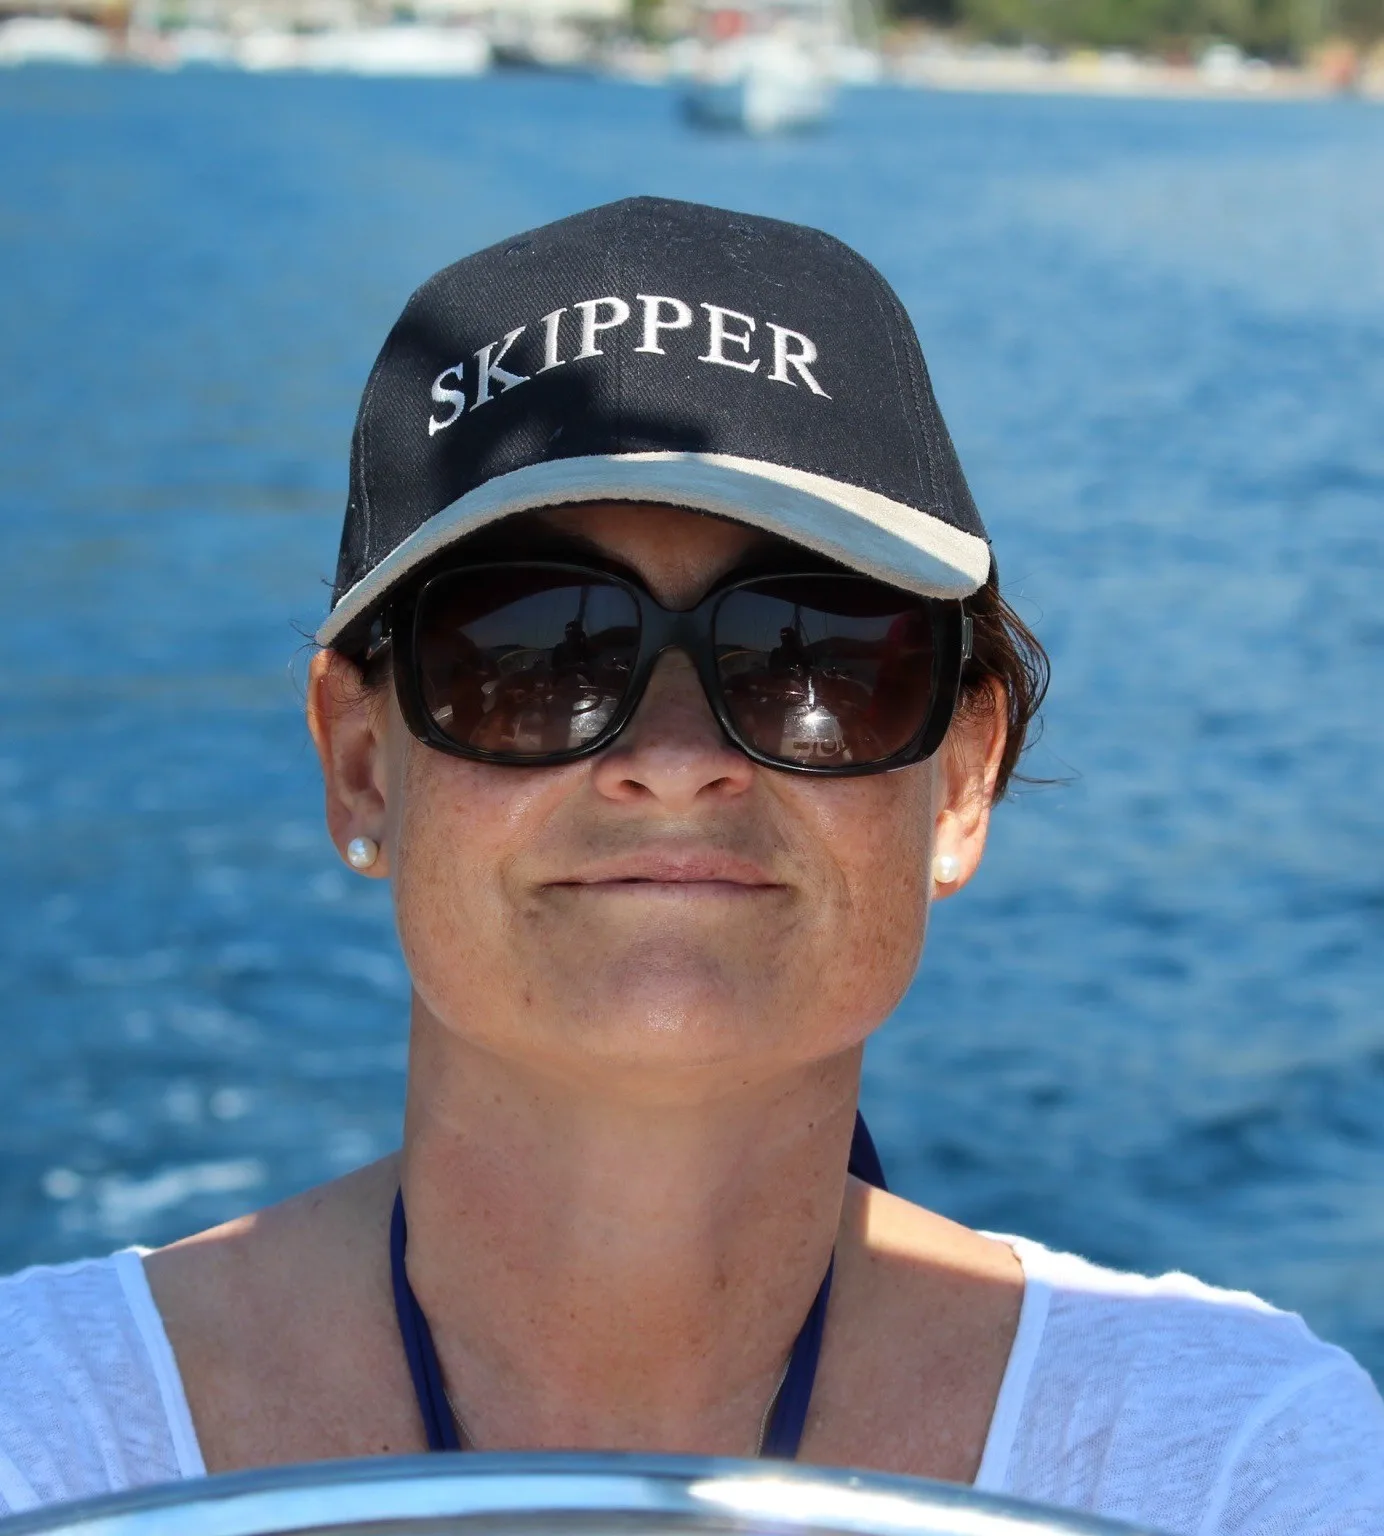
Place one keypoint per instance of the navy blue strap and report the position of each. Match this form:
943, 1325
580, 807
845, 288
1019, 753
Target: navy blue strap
785, 1430
865, 1163
439, 1423
784, 1433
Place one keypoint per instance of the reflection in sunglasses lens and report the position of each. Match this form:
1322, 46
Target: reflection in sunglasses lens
825, 671
525, 662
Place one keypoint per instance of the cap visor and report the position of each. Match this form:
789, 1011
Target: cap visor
857, 528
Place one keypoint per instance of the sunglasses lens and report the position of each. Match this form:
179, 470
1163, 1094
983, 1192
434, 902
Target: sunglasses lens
522, 661
825, 671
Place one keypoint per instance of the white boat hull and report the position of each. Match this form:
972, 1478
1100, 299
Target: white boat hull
763, 97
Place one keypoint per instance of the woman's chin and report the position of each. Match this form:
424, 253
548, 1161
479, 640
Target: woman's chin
681, 1012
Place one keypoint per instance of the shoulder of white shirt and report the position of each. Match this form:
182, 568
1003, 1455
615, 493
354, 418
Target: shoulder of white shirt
1175, 1317
1155, 1350
1172, 1338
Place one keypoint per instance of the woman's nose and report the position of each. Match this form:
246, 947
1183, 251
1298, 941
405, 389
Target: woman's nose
673, 751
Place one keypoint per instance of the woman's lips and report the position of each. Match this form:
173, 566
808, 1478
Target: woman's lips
685, 874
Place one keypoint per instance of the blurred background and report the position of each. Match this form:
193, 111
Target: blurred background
1143, 243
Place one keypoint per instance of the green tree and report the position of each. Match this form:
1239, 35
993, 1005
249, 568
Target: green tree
1271, 28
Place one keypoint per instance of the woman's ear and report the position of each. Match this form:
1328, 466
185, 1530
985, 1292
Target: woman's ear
968, 766
347, 722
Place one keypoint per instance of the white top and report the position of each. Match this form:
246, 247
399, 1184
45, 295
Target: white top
1198, 1411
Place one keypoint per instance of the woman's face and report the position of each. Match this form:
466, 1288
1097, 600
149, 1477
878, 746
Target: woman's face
667, 905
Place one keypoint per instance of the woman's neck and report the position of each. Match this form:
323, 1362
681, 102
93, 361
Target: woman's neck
617, 1269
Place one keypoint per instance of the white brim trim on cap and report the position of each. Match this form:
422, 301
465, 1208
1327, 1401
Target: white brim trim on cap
858, 528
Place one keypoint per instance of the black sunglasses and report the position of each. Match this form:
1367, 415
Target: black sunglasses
534, 662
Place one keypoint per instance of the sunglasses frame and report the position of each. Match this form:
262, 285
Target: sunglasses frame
690, 630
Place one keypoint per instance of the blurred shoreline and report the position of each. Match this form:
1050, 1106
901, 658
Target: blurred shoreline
926, 59
1222, 72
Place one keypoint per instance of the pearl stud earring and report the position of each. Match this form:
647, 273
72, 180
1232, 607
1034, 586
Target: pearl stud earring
945, 868
361, 852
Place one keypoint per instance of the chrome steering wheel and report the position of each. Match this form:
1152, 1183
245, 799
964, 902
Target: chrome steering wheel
548, 1494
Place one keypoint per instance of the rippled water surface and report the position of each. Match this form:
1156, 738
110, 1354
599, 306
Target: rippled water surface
1152, 1030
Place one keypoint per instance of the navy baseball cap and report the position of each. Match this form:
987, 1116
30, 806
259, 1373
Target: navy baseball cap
657, 351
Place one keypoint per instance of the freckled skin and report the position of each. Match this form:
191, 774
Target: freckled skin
629, 1103
756, 982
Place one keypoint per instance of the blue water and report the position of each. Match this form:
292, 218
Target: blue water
1152, 1029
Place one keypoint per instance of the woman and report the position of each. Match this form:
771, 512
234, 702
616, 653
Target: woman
668, 681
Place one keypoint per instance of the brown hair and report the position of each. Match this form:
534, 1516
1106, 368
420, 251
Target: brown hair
1003, 648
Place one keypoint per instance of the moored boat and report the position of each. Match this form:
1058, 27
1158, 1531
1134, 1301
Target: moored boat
766, 68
